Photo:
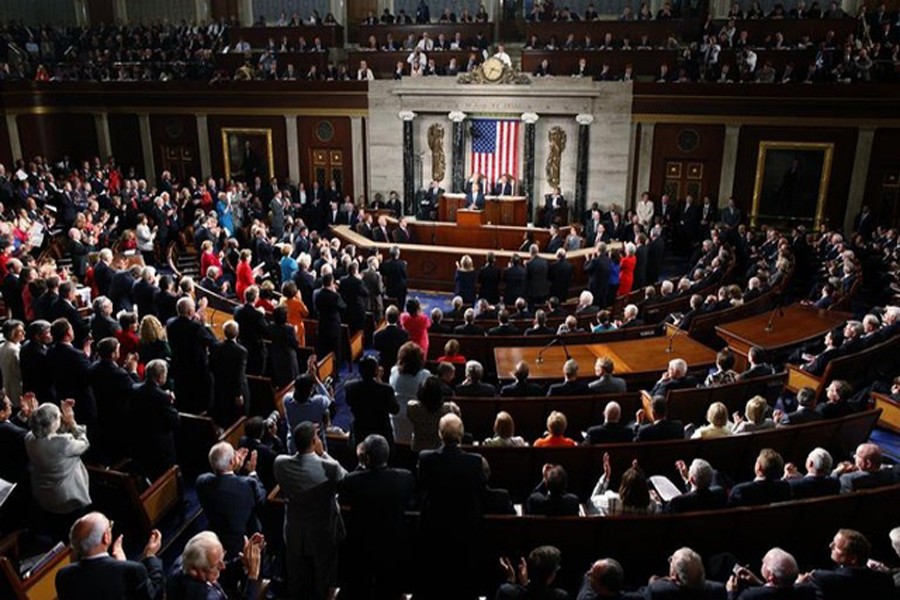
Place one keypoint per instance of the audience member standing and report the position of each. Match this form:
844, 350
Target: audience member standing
372, 403
416, 324
190, 342
329, 308
231, 392
154, 419
253, 327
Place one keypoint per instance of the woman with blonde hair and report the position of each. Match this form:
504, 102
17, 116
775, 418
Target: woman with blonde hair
754, 418
504, 432
717, 419
153, 341
296, 309
464, 280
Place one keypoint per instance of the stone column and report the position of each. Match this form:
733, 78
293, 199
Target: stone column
203, 143
293, 148
120, 11
15, 144
147, 146
581, 174
359, 157
202, 11
644, 160
409, 156
528, 160
457, 155
861, 159
729, 163
245, 12
101, 126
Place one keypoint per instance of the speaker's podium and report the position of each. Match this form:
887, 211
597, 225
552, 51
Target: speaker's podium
469, 218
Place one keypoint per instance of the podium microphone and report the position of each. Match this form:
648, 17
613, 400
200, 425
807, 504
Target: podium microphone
678, 331
565, 349
540, 357
779, 310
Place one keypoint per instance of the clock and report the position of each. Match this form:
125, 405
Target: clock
492, 69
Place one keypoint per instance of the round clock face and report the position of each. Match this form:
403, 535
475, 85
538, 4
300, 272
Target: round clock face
688, 140
492, 69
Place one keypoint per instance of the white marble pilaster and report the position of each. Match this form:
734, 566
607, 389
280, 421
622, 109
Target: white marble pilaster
203, 143
359, 171
147, 146
245, 12
644, 160
864, 141
293, 148
104, 143
15, 143
202, 11
630, 193
729, 163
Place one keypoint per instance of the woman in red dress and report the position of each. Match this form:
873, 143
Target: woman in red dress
245, 275
626, 270
416, 324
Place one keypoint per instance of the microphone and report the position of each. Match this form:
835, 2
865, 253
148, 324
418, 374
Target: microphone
779, 309
678, 331
540, 357
565, 348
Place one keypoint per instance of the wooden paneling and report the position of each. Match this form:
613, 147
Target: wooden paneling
175, 143
258, 37
656, 31
302, 61
707, 154
469, 31
883, 181
308, 133
100, 12
57, 134
279, 141
844, 140
564, 63
125, 139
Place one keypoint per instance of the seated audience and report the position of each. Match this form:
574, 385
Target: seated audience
534, 578
632, 498
472, 385
702, 493
867, 470
425, 412
817, 481
504, 432
767, 487
717, 423
521, 387
851, 577
605, 382
570, 386
551, 498
660, 427
611, 431
556, 429
754, 418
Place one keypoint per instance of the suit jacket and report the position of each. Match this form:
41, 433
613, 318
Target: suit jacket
665, 589
761, 370
112, 386
252, 330
800, 416
356, 296
144, 294
514, 279
489, 283
506, 329
64, 309
371, 402
454, 492
599, 269
665, 429
378, 499
765, 592
154, 420
120, 289
12, 295
13, 459
395, 278
713, 498
560, 274
468, 329
232, 505
183, 587
757, 492
103, 275
105, 578
569, 388
537, 282
190, 342
69, 372
851, 582
552, 506
312, 519
229, 368
664, 387
609, 433
476, 390
607, 384
521, 389
34, 362
103, 327
863, 480
812, 487
387, 341
401, 236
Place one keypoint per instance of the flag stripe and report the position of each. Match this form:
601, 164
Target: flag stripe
495, 149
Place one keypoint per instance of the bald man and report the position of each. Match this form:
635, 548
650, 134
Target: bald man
102, 571
865, 472
604, 581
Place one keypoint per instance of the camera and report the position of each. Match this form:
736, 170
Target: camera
271, 420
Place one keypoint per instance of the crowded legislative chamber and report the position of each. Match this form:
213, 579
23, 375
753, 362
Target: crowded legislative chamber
450, 299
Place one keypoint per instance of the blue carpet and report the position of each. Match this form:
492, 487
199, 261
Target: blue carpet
889, 442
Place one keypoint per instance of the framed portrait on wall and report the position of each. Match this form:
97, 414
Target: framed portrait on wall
247, 153
791, 184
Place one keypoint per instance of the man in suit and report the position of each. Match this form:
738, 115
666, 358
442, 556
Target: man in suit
453, 487
866, 472
190, 342
611, 431
757, 367
605, 581
402, 235
472, 385
605, 382
378, 498
503, 187
202, 564
489, 280
560, 274
475, 197
381, 233
120, 288
395, 279
537, 282
655, 255
642, 260
231, 392
430, 202
731, 214
806, 410
816, 365
356, 296
65, 308
102, 572
675, 378
687, 579
660, 428
521, 387
389, 338
570, 386
144, 291
852, 578
690, 221
817, 481
374, 284
598, 268
261, 436
14, 463
252, 330
112, 385
514, 280
551, 498
232, 502
468, 327
504, 327
12, 289
777, 582
151, 410
313, 527
554, 207
371, 402
34, 361
556, 240
767, 487
702, 494
103, 272
539, 326
69, 373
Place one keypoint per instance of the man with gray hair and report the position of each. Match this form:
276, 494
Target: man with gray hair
378, 497
675, 378
153, 419
817, 481
473, 386
686, 579
702, 494
231, 391
202, 563
611, 431
570, 386
537, 277
778, 580
190, 342
102, 570
232, 502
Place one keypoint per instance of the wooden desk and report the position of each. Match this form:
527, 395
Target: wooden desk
890, 412
384, 62
258, 37
469, 31
794, 326
639, 358
498, 210
564, 62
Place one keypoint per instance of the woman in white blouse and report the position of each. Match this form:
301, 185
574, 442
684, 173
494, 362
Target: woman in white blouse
645, 210
633, 497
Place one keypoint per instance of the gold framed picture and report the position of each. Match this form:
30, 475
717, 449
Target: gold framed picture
791, 184
247, 153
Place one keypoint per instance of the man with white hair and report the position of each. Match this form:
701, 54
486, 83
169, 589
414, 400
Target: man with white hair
686, 579
231, 502
570, 386
777, 580
817, 481
102, 571
203, 562
675, 378
702, 494
190, 342
103, 271
611, 431
473, 386
586, 304
630, 317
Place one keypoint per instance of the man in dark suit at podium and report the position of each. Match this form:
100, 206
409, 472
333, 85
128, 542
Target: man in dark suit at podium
504, 187
475, 197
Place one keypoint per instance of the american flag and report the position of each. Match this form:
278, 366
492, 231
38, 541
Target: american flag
495, 149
